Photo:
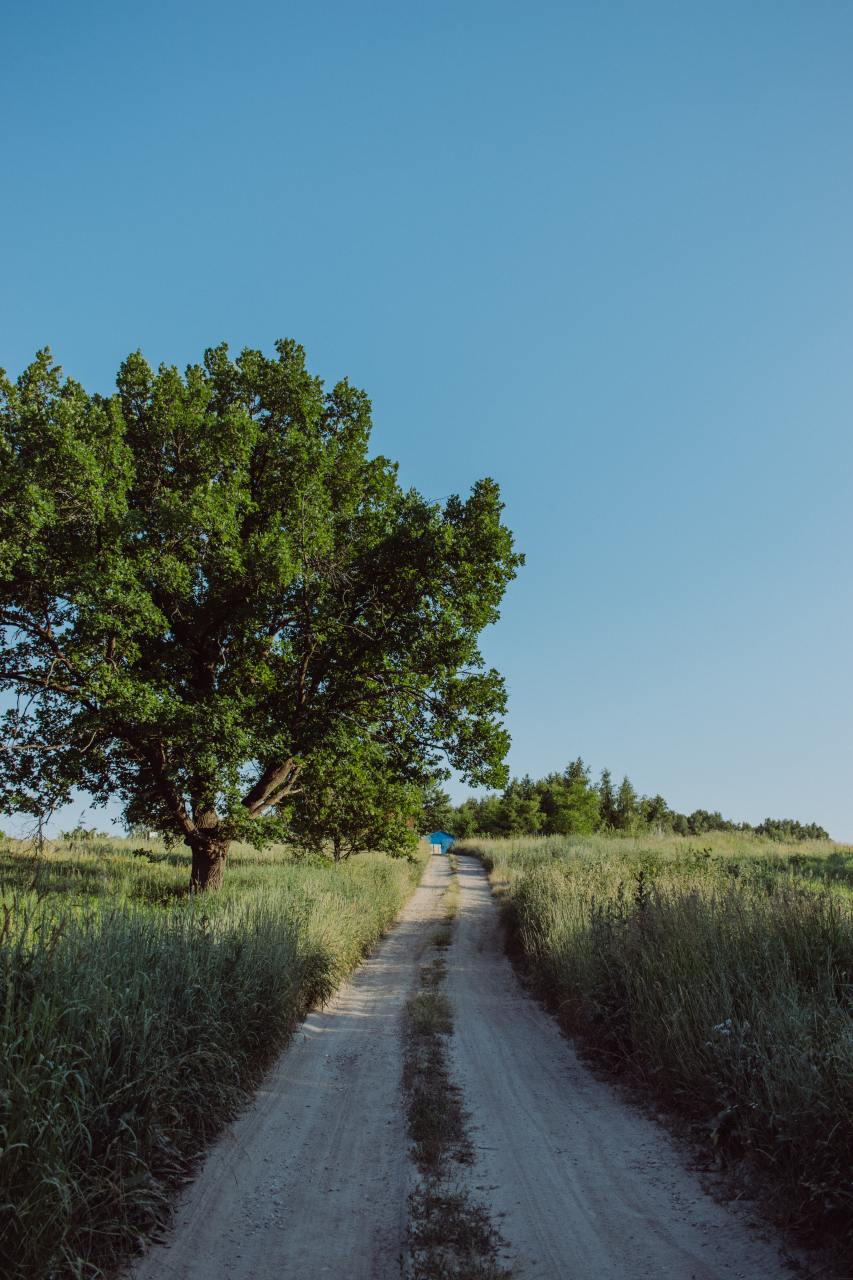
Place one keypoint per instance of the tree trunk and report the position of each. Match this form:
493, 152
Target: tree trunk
208, 866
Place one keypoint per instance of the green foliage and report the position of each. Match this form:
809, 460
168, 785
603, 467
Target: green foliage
564, 804
606, 800
626, 806
720, 977
569, 804
656, 813
436, 810
352, 803
205, 579
520, 809
80, 835
576, 805
135, 1018
467, 819
790, 829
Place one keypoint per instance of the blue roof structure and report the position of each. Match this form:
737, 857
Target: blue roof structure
444, 838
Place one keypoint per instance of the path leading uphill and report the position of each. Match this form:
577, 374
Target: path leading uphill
311, 1181
579, 1183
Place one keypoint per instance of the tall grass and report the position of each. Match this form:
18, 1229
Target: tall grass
134, 1019
720, 974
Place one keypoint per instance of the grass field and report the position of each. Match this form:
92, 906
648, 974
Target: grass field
718, 973
134, 1019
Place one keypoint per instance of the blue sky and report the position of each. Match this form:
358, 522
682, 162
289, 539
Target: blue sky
601, 252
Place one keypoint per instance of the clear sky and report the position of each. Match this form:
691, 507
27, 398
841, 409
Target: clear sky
599, 251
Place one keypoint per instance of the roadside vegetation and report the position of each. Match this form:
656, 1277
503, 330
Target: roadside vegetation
718, 975
135, 1018
451, 1236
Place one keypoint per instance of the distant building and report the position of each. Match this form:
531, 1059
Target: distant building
440, 841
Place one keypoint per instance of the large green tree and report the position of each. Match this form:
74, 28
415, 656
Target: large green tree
520, 808
436, 809
207, 583
606, 799
626, 805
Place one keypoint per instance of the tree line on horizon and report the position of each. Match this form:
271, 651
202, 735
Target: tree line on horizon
571, 803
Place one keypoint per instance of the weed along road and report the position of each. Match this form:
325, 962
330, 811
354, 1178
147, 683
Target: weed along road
313, 1180
579, 1183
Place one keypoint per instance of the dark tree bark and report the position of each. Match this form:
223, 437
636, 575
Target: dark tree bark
208, 864
209, 849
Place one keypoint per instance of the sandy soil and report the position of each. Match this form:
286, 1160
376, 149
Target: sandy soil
580, 1183
312, 1180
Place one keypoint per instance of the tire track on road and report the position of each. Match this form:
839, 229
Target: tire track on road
580, 1183
312, 1179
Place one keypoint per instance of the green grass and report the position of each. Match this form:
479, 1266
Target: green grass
134, 1020
718, 972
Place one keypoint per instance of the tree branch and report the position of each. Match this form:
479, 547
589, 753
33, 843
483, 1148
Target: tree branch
43, 682
272, 786
155, 755
11, 618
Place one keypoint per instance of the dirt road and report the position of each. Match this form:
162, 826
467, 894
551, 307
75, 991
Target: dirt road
312, 1180
580, 1184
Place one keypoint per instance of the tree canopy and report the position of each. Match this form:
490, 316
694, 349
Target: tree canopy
208, 588
436, 809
